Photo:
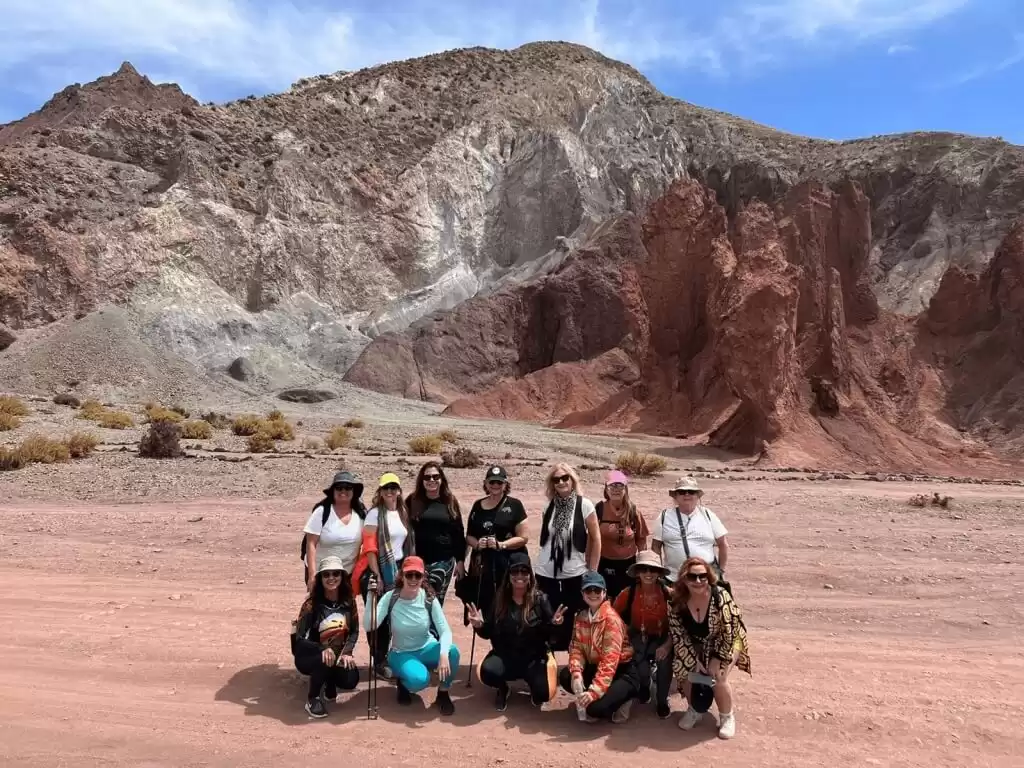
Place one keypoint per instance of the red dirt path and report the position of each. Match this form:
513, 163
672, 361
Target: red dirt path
132, 637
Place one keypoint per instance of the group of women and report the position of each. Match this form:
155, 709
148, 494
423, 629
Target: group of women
634, 608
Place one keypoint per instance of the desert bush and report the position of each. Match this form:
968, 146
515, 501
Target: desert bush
43, 450
640, 464
13, 405
159, 413
460, 458
425, 444
449, 435
275, 415
278, 429
247, 424
8, 421
339, 438
115, 420
196, 430
312, 444
161, 441
936, 500
81, 444
91, 410
217, 420
181, 411
355, 424
261, 442
65, 399
11, 459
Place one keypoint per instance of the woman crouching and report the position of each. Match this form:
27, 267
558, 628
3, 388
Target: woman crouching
602, 671
709, 639
518, 624
413, 611
324, 637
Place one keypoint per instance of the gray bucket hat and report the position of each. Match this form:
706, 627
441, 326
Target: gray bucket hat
345, 478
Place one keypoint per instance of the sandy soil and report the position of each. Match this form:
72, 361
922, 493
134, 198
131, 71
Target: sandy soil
134, 637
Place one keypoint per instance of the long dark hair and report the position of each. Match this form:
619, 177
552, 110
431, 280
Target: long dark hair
344, 590
503, 600
418, 499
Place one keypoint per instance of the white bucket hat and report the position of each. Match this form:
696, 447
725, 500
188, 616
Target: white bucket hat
330, 563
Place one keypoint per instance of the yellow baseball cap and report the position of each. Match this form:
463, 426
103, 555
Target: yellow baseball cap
388, 478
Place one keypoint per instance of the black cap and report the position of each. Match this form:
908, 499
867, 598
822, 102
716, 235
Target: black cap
518, 558
702, 696
497, 473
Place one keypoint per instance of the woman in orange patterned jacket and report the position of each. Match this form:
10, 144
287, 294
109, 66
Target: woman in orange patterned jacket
602, 671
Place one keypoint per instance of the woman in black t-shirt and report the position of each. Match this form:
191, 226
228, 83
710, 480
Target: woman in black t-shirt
496, 528
436, 521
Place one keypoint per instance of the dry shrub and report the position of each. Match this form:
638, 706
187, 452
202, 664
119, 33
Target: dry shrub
65, 399
425, 444
43, 450
159, 413
936, 500
640, 464
339, 438
460, 458
196, 430
115, 420
81, 444
278, 429
8, 421
181, 411
11, 459
449, 436
275, 415
918, 500
217, 420
247, 424
355, 424
161, 441
261, 442
13, 405
91, 410
312, 444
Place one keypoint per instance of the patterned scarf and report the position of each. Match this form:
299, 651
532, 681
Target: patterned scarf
561, 542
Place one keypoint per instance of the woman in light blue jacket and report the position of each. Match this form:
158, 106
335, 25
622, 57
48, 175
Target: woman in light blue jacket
421, 639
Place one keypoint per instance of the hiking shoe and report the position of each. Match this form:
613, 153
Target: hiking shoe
404, 696
383, 671
664, 710
621, 714
315, 708
501, 699
726, 725
689, 719
445, 703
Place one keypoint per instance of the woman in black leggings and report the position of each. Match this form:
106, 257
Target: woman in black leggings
324, 637
519, 625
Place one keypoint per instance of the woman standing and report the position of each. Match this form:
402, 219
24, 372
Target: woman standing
413, 611
709, 638
387, 541
570, 545
436, 520
519, 626
496, 530
324, 636
623, 532
335, 527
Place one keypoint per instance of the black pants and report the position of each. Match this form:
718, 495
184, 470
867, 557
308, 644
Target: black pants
644, 655
614, 572
310, 662
625, 686
567, 592
496, 671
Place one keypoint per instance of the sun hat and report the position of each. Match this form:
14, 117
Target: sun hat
413, 563
346, 478
702, 696
388, 478
593, 579
496, 473
330, 563
686, 483
648, 558
615, 476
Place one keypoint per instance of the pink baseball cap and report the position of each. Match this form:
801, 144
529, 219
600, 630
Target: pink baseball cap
615, 476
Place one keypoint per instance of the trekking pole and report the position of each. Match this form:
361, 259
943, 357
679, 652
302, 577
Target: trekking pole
371, 690
472, 646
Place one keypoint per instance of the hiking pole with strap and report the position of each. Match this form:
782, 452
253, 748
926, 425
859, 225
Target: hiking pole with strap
472, 646
371, 690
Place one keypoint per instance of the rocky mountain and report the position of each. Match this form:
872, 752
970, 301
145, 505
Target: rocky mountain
384, 205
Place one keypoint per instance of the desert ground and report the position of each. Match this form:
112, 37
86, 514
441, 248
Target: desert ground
146, 605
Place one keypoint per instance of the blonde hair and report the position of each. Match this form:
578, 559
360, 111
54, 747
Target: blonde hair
560, 469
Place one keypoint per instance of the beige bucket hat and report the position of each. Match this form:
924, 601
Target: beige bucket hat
648, 558
330, 563
686, 483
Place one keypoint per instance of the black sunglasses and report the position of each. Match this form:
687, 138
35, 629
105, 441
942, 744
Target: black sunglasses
562, 478
685, 493
697, 577
391, 487
431, 478
520, 572
495, 482
592, 590
644, 569
413, 575
344, 487
331, 574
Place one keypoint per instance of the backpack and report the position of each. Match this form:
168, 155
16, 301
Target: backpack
428, 604
686, 547
357, 506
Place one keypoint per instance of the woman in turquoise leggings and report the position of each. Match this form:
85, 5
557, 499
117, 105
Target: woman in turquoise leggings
421, 640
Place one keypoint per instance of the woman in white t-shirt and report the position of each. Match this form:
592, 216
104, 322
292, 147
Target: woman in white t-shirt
341, 533
689, 529
570, 545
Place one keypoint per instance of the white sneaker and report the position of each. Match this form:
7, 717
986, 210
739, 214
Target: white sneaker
622, 713
726, 725
690, 718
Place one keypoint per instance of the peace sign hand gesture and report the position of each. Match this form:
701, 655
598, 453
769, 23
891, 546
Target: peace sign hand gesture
559, 616
474, 615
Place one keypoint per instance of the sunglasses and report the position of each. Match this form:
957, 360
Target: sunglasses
592, 591
519, 573
344, 488
685, 493
413, 575
642, 569
391, 487
616, 486
697, 578
495, 482
562, 478
431, 478
331, 574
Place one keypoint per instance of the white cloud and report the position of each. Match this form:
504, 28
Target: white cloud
895, 50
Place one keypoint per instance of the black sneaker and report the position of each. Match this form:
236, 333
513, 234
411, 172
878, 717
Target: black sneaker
664, 710
445, 703
501, 699
315, 708
404, 696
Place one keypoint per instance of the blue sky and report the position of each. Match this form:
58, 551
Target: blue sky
828, 68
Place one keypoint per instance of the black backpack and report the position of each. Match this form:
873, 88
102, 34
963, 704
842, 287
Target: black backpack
357, 506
